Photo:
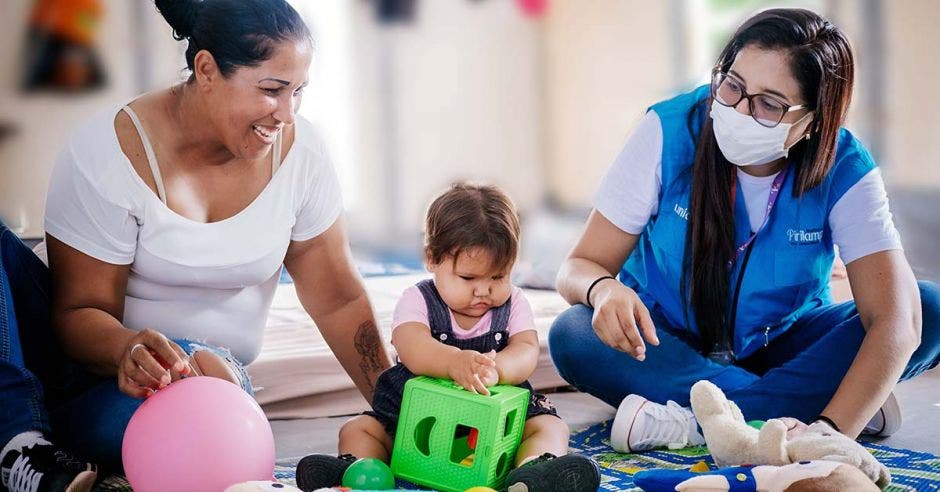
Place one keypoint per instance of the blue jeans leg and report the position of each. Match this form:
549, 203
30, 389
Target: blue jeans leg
668, 372
801, 370
927, 355
23, 323
93, 423
796, 375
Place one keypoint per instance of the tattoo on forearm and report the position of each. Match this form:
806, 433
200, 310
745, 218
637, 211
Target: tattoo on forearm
369, 346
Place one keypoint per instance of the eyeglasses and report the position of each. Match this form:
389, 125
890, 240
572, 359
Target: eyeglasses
767, 110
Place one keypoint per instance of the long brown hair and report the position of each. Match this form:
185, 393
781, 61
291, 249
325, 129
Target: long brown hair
821, 61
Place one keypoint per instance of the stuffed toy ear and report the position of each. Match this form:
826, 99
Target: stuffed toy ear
871, 468
707, 400
844, 477
772, 443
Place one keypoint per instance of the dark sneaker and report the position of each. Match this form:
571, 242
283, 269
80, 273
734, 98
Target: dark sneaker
319, 471
550, 473
45, 468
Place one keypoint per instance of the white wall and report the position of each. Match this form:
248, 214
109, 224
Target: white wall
463, 100
455, 94
606, 62
912, 93
43, 121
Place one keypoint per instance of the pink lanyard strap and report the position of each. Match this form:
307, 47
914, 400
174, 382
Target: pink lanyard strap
771, 201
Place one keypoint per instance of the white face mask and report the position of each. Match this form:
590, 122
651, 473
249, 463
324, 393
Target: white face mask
745, 142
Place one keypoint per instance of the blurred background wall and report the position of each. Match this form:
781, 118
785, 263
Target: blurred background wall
537, 100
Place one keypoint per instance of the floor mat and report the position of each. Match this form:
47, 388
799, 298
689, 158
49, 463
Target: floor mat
910, 470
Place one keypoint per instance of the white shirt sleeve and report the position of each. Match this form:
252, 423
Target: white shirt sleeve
628, 195
861, 221
87, 215
323, 200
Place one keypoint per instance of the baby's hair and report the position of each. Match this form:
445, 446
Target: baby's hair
469, 216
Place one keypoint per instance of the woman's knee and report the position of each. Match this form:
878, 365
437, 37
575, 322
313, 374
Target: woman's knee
569, 334
927, 354
216, 362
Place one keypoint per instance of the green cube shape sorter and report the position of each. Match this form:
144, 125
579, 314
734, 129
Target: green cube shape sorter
434, 444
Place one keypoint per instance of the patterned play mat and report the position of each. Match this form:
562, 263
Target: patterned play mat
910, 470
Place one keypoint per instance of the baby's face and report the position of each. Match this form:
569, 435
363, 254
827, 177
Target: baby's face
469, 284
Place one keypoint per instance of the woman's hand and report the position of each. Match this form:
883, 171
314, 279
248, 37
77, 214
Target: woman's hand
472, 371
150, 362
620, 316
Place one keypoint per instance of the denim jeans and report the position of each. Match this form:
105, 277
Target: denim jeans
40, 387
795, 375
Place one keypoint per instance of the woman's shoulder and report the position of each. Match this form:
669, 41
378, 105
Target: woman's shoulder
92, 151
95, 135
851, 163
309, 144
678, 107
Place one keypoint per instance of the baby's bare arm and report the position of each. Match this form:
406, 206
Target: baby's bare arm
425, 356
517, 361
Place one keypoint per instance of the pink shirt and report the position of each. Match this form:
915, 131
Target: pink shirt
412, 308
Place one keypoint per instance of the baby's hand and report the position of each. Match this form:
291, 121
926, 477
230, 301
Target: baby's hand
471, 369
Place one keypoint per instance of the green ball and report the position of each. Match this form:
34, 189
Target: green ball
757, 424
369, 474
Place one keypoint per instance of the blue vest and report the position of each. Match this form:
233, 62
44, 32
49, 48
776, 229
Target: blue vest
787, 270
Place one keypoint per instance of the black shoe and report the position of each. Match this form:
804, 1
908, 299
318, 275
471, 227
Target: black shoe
45, 468
319, 471
550, 473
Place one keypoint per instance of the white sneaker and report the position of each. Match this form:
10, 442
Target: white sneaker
887, 419
641, 425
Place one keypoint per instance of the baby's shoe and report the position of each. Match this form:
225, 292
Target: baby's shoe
641, 425
550, 473
322, 470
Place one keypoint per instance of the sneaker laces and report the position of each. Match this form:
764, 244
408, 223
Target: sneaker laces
26, 472
670, 425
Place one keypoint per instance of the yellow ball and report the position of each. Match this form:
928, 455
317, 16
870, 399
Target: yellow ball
479, 489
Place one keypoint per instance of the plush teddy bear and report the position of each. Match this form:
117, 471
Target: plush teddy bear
815, 476
732, 442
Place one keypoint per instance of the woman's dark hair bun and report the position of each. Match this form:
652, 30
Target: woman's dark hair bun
180, 15
237, 33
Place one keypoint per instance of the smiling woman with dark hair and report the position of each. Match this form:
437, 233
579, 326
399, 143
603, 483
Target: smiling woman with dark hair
168, 219
722, 215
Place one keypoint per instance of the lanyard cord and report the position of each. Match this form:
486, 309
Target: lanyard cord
771, 201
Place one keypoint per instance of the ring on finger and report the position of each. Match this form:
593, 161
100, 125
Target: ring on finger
135, 347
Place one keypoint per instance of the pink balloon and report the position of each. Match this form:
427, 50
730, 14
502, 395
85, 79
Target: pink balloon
197, 434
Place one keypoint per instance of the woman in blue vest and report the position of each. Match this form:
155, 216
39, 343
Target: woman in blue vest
722, 215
